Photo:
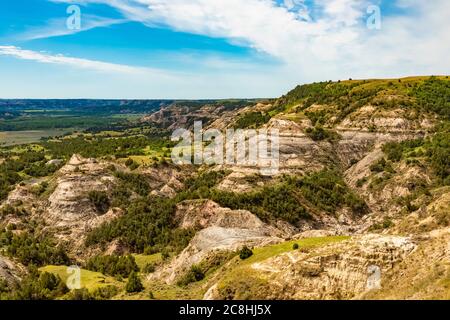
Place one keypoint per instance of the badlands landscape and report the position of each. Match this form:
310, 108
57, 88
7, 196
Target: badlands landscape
359, 209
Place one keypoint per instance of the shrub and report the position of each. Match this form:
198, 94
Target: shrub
149, 268
295, 246
320, 133
194, 274
134, 284
245, 253
100, 201
381, 166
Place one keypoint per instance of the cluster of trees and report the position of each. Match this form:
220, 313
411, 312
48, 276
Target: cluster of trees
434, 150
46, 123
31, 250
35, 286
116, 266
319, 133
148, 226
430, 95
290, 200
382, 166
328, 191
32, 163
338, 94
96, 147
8, 178
252, 120
433, 95
134, 182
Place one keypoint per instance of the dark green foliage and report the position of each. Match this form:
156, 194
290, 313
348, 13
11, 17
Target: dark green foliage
245, 253
295, 246
134, 284
439, 156
7, 210
100, 201
45, 123
382, 166
82, 294
133, 182
252, 120
361, 182
270, 203
113, 265
8, 178
149, 268
102, 293
434, 95
205, 180
130, 163
30, 162
342, 95
194, 274
328, 191
386, 224
149, 222
320, 134
31, 250
318, 117
436, 152
38, 286
291, 200
105, 293
100, 147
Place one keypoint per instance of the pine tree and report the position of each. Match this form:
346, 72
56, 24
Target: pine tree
134, 284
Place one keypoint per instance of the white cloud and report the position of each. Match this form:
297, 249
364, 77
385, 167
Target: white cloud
94, 65
335, 43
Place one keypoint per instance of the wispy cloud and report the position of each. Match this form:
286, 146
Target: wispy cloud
57, 27
59, 59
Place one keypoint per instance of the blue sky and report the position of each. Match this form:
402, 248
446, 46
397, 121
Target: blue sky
213, 48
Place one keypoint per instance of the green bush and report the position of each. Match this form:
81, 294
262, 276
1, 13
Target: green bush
100, 200
194, 274
134, 284
149, 268
320, 134
245, 253
382, 166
